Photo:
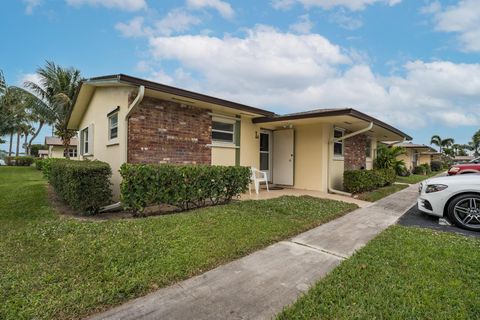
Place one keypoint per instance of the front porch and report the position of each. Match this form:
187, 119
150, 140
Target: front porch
277, 192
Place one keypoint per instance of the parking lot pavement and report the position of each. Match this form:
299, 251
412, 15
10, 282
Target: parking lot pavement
415, 217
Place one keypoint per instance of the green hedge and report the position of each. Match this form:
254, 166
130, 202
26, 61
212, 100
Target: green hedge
83, 185
183, 186
39, 163
23, 161
355, 181
436, 165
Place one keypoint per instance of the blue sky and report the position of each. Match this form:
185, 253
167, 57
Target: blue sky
414, 64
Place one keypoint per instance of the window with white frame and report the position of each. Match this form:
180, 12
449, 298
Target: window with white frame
72, 152
84, 141
223, 130
113, 126
338, 145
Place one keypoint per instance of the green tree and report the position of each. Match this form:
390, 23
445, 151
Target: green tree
442, 143
475, 143
58, 86
387, 158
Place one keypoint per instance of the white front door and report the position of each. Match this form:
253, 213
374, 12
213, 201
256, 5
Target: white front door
283, 148
266, 153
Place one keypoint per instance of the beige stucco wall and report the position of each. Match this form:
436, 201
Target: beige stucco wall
223, 156
407, 158
55, 152
105, 100
424, 159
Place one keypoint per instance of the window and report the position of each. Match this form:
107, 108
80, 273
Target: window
72, 152
113, 126
338, 145
264, 151
368, 148
84, 141
223, 131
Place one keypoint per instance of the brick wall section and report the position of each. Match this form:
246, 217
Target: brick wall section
354, 152
161, 131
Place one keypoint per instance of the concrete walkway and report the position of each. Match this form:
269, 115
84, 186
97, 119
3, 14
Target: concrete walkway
259, 285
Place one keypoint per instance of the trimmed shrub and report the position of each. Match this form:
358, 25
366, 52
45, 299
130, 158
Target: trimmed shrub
39, 163
428, 170
436, 165
21, 161
355, 181
83, 185
183, 186
46, 166
420, 170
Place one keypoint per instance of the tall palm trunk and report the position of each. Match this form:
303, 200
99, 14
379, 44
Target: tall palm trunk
40, 126
25, 145
18, 143
66, 146
11, 144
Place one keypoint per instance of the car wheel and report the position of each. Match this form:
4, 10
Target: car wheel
464, 211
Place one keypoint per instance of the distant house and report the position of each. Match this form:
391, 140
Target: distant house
57, 150
461, 159
43, 153
123, 119
415, 154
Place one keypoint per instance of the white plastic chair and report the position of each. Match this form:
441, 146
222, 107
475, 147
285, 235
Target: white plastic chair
256, 177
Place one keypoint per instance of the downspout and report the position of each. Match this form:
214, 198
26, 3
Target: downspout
330, 160
131, 108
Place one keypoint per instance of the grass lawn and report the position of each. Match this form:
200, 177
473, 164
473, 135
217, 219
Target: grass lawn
380, 193
53, 266
404, 273
416, 178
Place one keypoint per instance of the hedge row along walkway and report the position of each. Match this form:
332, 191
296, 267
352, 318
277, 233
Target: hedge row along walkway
258, 286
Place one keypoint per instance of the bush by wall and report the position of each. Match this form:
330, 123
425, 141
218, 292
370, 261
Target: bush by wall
183, 186
436, 165
83, 185
46, 166
428, 170
421, 170
39, 163
19, 161
356, 181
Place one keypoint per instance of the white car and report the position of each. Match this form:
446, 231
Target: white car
455, 197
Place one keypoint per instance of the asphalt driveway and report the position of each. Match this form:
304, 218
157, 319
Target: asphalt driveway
416, 218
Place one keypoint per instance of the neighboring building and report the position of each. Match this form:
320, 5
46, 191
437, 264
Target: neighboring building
462, 159
125, 119
415, 154
57, 150
43, 153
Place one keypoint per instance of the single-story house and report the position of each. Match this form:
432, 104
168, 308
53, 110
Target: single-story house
462, 159
43, 153
57, 150
121, 119
415, 154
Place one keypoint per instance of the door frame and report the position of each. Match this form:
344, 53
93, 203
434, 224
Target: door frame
269, 152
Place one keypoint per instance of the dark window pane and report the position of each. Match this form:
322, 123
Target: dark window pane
264, 142
337, 133
86, 147
222, 136
222, 126
337, 148
368, 149
114, 120
264, 161
113, 133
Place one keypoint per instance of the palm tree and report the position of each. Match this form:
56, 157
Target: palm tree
387, 158
442, 143
475, 143
57, 87
13, 108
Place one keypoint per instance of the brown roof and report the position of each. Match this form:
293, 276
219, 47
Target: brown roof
414, 145
56, 141
179, 92
318, 113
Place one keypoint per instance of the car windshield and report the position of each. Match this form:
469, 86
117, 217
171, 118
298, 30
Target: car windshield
477, 160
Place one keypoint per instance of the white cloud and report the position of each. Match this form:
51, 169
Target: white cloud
304, 24
261, 69
462, 19
126, 5
224, 8
175, 21
345, 20
353, 5
30, 5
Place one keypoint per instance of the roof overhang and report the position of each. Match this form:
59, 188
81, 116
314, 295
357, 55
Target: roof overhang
348, 118
157, 90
